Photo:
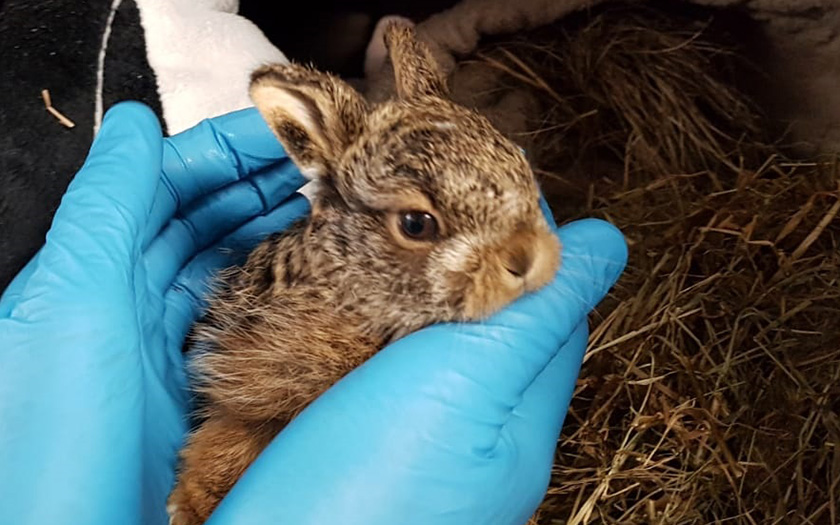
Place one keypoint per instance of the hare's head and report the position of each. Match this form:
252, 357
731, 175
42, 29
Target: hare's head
424, 201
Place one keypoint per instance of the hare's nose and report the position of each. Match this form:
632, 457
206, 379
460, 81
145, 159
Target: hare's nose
519, 261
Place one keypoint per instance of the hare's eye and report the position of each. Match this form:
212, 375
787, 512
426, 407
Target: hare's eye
418, 225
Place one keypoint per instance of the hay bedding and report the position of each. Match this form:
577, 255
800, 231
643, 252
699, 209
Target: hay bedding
711, 386
711, 389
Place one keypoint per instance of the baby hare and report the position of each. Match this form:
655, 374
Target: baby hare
423, 213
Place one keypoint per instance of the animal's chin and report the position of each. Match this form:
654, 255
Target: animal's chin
493, 291
522, 264
486, 299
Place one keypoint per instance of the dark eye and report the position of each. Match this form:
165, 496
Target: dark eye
418, 225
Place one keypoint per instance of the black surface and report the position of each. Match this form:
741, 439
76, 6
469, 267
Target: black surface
128, 75
54, 45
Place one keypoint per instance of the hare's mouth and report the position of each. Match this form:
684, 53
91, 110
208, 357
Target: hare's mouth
524, 264
530, 260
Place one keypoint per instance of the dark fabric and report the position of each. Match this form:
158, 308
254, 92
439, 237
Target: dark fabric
54, 45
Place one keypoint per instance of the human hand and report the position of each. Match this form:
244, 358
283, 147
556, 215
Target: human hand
93, 399
454, 424
429, 431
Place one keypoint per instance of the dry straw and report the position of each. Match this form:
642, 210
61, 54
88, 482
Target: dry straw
66, 122
711, 387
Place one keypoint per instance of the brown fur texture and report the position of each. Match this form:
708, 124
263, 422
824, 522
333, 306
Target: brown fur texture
316, 301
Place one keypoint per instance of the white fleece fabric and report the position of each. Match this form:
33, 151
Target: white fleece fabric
202, 53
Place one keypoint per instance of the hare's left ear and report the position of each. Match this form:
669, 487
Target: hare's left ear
315, 115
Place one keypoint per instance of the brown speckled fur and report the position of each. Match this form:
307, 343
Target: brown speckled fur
313, 303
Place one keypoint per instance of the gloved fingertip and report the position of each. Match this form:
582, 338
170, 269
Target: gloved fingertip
248, 123
593, 248
298, 205
599, 237
277, 183
131, 113
245, 114
278, 219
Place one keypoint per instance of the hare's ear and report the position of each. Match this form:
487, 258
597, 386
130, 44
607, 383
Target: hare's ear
415, 70
315, 115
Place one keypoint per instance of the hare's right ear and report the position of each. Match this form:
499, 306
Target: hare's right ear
415, 70
315, 115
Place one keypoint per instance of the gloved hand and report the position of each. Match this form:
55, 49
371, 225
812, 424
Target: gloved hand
453, 424
92, 384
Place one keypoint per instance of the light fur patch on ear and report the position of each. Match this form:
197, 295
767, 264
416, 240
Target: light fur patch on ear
315, 115
277, 103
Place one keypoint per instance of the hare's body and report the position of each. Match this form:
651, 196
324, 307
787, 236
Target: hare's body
273, 340
423, 213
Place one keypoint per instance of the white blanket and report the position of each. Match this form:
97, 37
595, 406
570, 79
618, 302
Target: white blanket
202, 53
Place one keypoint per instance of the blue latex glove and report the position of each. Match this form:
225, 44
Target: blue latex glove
453, 424
92, 383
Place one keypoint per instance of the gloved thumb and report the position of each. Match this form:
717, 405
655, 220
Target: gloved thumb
98, 224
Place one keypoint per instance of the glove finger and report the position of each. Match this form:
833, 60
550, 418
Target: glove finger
186, 298
103, 213
214, 217
13, 292
213, 154
538, 418
531, 432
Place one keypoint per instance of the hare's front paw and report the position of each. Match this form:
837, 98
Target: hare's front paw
182, 507
216, 455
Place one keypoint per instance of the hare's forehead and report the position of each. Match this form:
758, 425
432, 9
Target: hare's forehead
465, 165
458, 181
484, 206
450, 150
436, 125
